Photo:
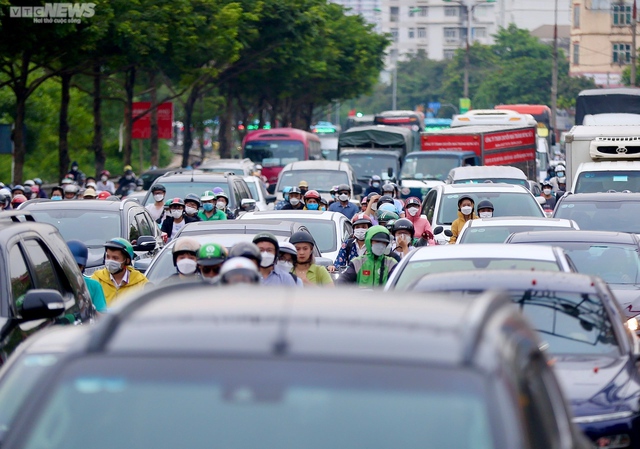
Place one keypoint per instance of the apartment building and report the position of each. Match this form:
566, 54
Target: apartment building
369, 9
601, 40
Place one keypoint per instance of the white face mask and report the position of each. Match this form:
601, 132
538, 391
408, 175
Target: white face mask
413, 211
378, 249
176, 213
187, 266
158, 197
547, 191
190, 210
485, 214
267, 259
294, 201
286, 266
104, 178
466, 210
221, 205
113, 266
343, 197
374, 206
359, 233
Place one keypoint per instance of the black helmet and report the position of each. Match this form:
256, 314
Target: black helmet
193, 197
246, 249
385, 199
381, 237
485, 204
302, 237
158, 187
403, 224
295, 189
344, 188
465, 197
268, 237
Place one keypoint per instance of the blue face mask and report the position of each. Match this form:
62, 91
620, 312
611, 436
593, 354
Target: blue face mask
208, 207
312, 206
56, 198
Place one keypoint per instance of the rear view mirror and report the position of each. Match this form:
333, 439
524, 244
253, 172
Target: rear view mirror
145, 243
270, 199
438, 230
40, 304
448, 233
357, 189
541, 200
248, 204
390, 172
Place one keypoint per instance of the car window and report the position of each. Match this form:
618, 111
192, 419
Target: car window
430, 205
614, 216
21, 281
242, 189
469, 161
347, 230
323, 232
134, 230
237, 192
91, 227
143, 224
505, 204
498, 234
182, 189
43, 265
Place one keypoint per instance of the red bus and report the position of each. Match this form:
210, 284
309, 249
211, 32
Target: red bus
277, 147
540, 112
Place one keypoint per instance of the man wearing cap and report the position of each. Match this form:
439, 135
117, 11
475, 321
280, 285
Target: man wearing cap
374, 267
269, 250
89, 194
209, 210
304, 187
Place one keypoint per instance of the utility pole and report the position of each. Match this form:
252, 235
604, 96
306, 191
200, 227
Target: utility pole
634, 52
466, 54
554, 73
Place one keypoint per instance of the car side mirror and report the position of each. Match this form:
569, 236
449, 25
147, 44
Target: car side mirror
357, 189
390, 172
541, 200
145, 243
248, 204
41, 304
142, 265
270, 199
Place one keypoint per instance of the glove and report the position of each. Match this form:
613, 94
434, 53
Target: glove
427, 235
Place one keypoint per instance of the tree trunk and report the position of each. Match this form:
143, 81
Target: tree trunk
188, 117
201, 127
155, 158
129, 84
225, 137
19, 147
98, 150
63, 128
308, 117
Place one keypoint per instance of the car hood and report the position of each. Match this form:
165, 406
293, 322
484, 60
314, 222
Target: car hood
628, 296
596, 385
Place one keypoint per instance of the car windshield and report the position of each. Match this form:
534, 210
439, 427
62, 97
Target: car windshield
323, 232
604, 181
222, 169
518, 182
204, 403
498, 234
274, 153
366, 165
618, 216
320, 180
428, 167
253, 190
182, 189
415, 270
91, 227
505, 204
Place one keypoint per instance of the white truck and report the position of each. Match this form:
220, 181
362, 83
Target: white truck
588, 144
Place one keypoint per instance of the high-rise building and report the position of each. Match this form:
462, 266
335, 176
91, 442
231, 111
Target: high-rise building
369, 9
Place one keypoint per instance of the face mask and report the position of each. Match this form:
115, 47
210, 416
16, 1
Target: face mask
75, 168
466, 210
113, 266
378, 249
343, 197
221, 205
286, 266
376, 184
413, 211
208, 207
187, 266
374, 206
56, 198
190, 210
104, 178
485, 214
294, 201
176, 213
159, 197
128, 177
312, 206
359, 233
547, 191
267, 259
560, 174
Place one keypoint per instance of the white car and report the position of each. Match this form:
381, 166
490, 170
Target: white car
496, 256
509, 200
264, 200
329, 229
496, 230
321, 177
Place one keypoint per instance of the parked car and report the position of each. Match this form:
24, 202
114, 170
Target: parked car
177, 367
95, 222
441, 203
490, 256
264, 200
329, 229
496, 230
40, 282
582, 330
150, 176
240, 167
321, 176
616, 212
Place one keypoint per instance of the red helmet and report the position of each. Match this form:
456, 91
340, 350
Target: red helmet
105, 172
361, 218
312, 194
103, 195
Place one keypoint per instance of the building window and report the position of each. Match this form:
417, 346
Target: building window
450, 32
394, 12
417, 11
621, 15
479, 33
451, 11
394, 34
448, 54
576, 16
423, 11
576, 54
422, 33
412, 33
621, 53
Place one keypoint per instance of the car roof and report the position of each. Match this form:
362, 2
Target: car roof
483, 250
482, 187
271, 215
601, 196
575, 236
348, 324
107, 205
248, 226
499, 171
192, 176
507, 280
520, 221
317, 165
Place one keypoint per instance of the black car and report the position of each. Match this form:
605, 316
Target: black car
195, 366
150, 176
94, 222
617, 212
180, 183
40, 283
582, 330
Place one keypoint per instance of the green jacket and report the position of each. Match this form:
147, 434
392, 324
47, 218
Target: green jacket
217, 215
373, 270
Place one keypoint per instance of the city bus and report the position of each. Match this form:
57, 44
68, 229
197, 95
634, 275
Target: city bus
412, 120
277, 147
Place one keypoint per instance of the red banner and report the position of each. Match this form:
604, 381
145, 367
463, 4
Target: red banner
142, 126
510, 139
451, 142
509, 157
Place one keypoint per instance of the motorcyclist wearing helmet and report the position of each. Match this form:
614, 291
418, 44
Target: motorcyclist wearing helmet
312, 200
70, 191
465, 213
375, 185
385, 216
211, 256
127, 178
191, 208
391, 190
403, 232
247, 250
287, 259
295, 200
343, 205
174, 220
334, 194
559, 180
547, 194
421, 226
104, 185
270, 252
364, 202
42, 193
304, 187
76, 174
156, 209
118, 277
354, 246
239, 270
5, 201
17, 200
285, 195
209, 210
305, 267
185, 259
374, 267
17, 190
485, 209
222, 203
80, 253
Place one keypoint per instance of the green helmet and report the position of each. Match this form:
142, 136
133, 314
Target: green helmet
390, 224
385, 215
211, 254
121, 244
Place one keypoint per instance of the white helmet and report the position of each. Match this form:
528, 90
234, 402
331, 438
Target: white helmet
239, 270
29, 183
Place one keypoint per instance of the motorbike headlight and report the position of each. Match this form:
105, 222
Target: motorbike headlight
632, 324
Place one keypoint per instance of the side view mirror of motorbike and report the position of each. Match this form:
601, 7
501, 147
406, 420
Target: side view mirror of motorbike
448, 233
438, 230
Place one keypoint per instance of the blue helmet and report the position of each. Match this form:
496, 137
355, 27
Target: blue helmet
79, 250
285, 193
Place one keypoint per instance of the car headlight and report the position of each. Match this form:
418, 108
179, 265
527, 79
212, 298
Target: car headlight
632, 323
599, 418
613, 442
